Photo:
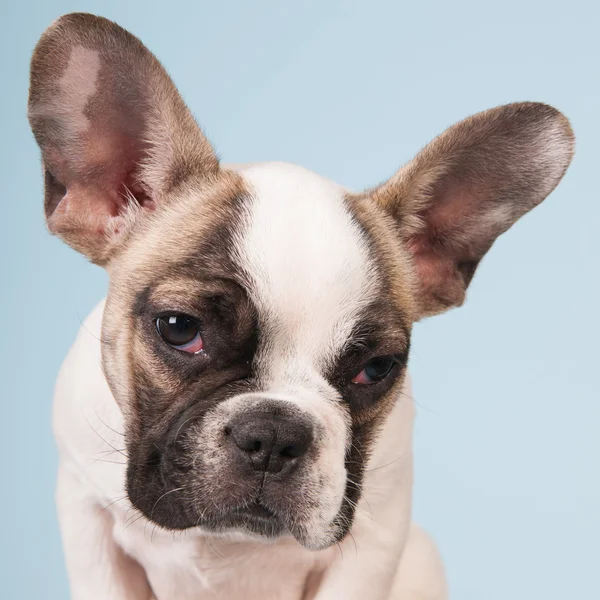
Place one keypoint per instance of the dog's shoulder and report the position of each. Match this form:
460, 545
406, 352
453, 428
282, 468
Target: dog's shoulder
87, 423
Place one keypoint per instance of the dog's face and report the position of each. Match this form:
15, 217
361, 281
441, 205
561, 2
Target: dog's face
258, 322
258, 351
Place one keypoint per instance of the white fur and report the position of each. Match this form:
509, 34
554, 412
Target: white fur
308, 265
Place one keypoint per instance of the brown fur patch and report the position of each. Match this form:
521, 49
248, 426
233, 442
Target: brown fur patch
184, 240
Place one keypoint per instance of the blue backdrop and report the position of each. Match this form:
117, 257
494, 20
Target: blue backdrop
507, 439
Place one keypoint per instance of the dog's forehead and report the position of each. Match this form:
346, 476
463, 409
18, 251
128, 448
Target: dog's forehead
307, 260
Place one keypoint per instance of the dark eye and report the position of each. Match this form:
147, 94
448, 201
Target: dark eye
180, 331
375, 370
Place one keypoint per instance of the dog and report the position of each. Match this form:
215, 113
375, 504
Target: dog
235, 419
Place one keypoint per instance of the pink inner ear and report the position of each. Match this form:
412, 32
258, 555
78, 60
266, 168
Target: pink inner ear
100, 180
444, 243
90, 205
100, 144
450, 210
433, 267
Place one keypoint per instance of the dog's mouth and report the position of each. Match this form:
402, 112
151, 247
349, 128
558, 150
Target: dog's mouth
255, 510
258, 515
253, 517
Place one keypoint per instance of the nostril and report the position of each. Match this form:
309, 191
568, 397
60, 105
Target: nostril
293, 451
253, 436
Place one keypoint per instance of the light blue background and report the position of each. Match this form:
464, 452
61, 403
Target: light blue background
508, 437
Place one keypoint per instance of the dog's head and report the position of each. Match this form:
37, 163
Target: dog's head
258, 321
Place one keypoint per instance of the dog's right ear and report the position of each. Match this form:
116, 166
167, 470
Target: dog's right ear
115, 135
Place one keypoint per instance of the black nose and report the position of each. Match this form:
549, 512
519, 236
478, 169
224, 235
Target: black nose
270, 442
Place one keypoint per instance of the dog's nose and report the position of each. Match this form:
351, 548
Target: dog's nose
271, 443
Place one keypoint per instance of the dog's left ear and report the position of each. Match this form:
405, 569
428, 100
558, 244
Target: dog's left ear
469, 186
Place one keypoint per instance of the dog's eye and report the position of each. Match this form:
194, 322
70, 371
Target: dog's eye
375, 370
180, 331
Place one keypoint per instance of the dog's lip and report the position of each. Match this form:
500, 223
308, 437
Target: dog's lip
255, 509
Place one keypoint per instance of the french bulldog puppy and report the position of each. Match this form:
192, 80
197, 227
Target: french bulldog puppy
235, 420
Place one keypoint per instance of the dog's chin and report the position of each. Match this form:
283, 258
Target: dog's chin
257, 520
258, 523
253, 520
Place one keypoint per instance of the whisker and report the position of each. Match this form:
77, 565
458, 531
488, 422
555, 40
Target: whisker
165, 494
354, 542
107, 425
179, 428
83, 326
361, 490
103, 439
109, 452
387, 464
358, 509
133, 520
113, 502
153, 533
113, 462
213, 549
412, 399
